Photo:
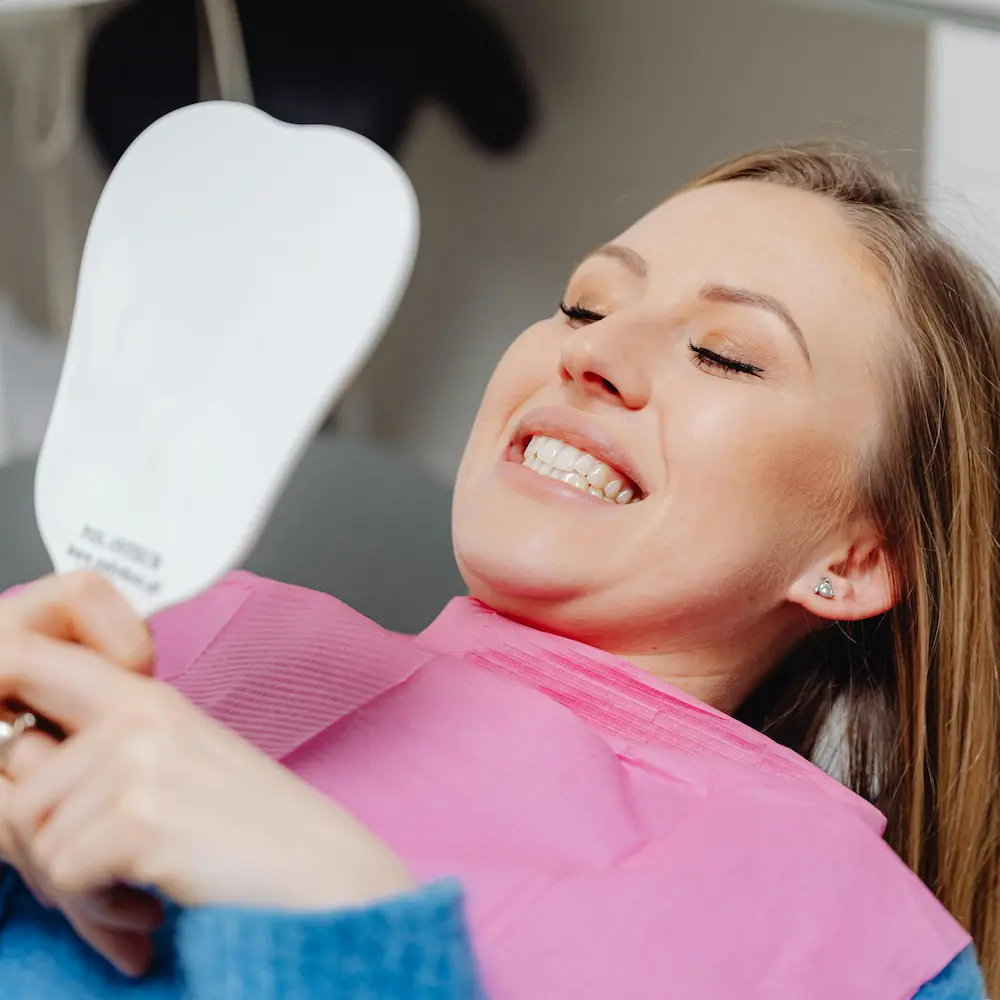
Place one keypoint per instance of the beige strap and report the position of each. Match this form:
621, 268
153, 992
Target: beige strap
228, 51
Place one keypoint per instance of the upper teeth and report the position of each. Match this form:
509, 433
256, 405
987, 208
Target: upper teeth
555, 458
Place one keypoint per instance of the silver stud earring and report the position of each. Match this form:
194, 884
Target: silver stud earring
825, 588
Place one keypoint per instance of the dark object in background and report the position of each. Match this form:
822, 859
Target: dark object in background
363, 66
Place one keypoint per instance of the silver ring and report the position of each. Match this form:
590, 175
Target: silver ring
10, 731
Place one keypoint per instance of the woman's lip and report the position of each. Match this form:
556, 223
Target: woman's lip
529, 481
580, 431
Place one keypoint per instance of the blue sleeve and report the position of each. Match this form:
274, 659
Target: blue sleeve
960, 980
412, 947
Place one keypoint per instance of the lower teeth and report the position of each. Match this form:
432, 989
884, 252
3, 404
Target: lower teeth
621, 496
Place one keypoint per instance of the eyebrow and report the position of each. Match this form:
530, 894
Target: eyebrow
758, 300
628, 258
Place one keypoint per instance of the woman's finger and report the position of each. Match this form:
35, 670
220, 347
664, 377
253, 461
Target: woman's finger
90, 859
85, 608
68, 684
122, 908
12, 850
61, 847
27, 754
130, 953
65, 778
7, 845
71, 819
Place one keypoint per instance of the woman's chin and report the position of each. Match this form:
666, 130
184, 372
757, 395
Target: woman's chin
517, 549
504, 581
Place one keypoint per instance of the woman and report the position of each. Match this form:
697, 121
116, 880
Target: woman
734, 503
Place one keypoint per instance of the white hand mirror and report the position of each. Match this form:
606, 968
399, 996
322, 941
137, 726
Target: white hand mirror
237, 273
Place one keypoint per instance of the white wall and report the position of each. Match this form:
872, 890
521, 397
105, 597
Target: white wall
636, 96
962, 169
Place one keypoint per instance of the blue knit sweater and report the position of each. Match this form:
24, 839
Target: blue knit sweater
414, 947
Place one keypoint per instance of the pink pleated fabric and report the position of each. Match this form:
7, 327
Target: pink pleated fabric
616, 838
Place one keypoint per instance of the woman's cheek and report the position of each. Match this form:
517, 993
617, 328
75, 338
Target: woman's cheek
710, 433
761, 450
529, 365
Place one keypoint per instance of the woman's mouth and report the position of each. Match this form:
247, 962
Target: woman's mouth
554, 458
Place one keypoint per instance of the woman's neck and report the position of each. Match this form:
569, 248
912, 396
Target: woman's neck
719, 671
724, 687
718, 667
723, 673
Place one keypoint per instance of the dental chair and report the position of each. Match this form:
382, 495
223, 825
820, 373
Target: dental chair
356, 521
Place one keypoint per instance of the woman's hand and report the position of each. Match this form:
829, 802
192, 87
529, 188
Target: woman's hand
148, 792
79, 609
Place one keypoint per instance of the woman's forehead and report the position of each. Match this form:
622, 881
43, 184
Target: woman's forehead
794, 245
755, 221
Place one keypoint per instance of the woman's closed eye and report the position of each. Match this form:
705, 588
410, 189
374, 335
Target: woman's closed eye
704, 358
579, 315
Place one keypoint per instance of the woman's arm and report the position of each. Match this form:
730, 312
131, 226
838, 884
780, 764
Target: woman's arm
411, 947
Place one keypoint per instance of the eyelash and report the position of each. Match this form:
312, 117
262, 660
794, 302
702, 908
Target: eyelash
703, 357
580, 314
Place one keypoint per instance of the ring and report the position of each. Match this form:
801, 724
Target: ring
10, 731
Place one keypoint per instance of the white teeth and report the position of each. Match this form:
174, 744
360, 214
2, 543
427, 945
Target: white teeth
599, 476
549, 450
565, 459
554, 458
531, 449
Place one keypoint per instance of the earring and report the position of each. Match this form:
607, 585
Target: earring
825, 588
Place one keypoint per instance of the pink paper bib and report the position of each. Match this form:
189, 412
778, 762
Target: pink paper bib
616, 838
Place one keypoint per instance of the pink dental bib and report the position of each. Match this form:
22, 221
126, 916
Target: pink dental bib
616, 839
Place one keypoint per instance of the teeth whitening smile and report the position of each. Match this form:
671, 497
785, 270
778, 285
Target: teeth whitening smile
558, 460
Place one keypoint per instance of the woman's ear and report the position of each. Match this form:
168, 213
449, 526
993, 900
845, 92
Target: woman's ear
850, 584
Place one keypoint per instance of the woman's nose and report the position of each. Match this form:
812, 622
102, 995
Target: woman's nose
605, 367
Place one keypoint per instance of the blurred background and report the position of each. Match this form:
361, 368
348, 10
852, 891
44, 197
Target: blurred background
531, 129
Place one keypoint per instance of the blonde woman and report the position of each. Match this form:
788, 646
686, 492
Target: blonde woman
742, 482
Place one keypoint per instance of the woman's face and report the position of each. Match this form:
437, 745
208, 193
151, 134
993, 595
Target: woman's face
718, 362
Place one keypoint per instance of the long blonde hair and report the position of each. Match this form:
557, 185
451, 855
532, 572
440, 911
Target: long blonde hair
919, 687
